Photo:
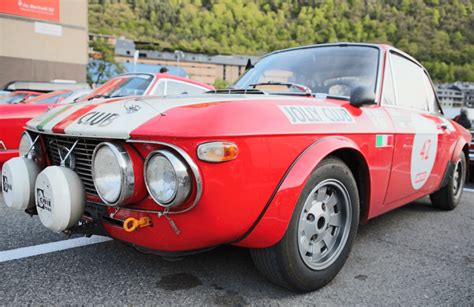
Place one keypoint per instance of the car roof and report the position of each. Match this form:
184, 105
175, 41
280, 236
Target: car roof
383, 47
25, 92
45, 86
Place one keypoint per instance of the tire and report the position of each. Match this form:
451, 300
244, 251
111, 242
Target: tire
289, 263
448, 197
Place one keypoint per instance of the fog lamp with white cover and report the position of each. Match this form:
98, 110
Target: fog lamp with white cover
167, 178
113, 175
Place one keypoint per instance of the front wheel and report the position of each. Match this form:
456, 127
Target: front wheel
449, 196
320, 234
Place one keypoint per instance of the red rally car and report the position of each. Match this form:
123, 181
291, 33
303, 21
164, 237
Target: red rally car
306, 145
13, 117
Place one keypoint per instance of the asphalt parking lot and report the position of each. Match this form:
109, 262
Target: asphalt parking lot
411, 256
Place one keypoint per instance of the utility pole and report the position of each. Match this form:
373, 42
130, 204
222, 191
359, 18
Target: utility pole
179, 55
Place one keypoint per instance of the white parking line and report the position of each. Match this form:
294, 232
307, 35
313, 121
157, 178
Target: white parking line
469, 190
46, 248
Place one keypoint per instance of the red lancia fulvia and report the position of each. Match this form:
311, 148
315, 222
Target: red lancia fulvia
306, 145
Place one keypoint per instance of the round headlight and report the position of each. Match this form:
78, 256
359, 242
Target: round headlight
112, 171
27, 149
167, 178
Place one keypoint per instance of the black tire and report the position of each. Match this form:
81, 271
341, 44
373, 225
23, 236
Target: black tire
449, 196
283, 263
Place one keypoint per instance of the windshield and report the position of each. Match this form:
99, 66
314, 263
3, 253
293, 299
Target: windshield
125, 86
325, 70
13, 98
52, 98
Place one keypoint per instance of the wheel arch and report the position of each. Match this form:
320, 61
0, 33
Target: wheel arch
360, 170
274, 219
462, 146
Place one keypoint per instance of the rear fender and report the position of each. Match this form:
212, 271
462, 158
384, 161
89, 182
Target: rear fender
462, 145
275, 217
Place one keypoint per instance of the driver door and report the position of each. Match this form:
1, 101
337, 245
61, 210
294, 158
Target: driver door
421, 144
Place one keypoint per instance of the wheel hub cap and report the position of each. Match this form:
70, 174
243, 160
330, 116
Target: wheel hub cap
324, 224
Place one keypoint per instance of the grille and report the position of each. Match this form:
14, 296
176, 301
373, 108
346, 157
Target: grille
82, 156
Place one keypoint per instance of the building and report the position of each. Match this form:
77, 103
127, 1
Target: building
449, 96
201, 67
468, 90
43, 40
456, 95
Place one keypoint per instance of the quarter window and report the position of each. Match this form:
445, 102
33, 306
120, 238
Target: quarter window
430, 95
409, 83
179, 88
159, 89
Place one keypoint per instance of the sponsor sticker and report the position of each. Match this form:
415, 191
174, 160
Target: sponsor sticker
100, 119
316, 115
43, 202
383, 140
5, 185
424, 150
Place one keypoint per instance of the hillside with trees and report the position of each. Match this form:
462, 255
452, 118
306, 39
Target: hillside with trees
439, 33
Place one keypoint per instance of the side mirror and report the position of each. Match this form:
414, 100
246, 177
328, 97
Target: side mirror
362, 95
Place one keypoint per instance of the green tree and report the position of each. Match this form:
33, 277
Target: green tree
439, 33
105, 65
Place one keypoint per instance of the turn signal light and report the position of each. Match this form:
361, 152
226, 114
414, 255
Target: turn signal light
217, 151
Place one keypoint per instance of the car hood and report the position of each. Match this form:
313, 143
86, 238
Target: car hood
117, 118
21, 110
189, 116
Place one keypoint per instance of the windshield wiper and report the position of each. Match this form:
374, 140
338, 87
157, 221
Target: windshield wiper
303, 88
240, 91
99, 96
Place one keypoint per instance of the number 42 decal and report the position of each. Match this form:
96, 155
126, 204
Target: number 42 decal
425, 150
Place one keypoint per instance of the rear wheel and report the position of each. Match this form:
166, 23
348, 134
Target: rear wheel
448, 197
320, 234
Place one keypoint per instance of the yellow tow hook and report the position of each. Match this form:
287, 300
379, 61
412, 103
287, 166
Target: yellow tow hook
131, 224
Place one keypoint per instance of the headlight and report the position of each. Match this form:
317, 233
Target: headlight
27, 149
167, 178
112, 171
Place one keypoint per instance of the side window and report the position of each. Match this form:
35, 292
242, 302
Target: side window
180, 88
160, 87
409, 83
430, 94
388, 90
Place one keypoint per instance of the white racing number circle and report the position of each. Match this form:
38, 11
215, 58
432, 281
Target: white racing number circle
425, 147
60, 198
18, 182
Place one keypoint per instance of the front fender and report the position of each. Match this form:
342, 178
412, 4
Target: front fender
275, 217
